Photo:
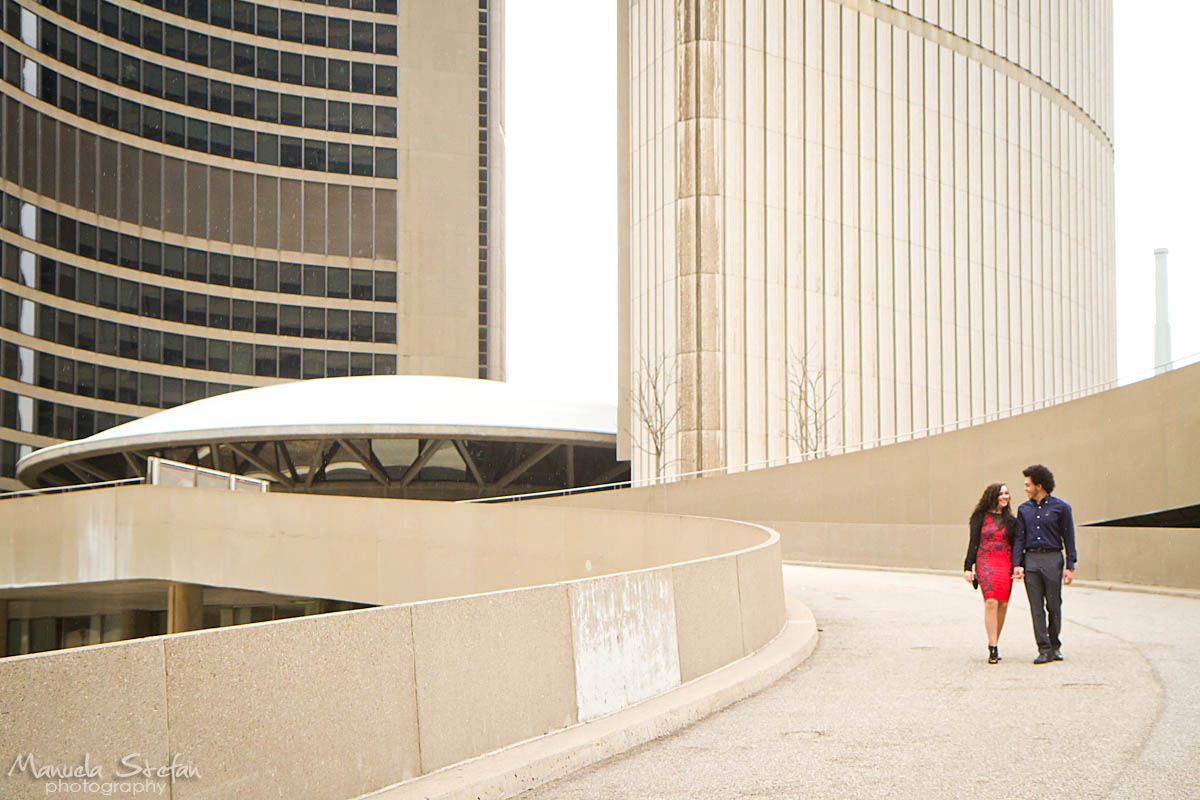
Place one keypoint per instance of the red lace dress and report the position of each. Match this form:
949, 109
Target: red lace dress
993, 561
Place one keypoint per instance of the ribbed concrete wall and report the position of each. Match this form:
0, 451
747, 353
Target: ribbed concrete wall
906, 206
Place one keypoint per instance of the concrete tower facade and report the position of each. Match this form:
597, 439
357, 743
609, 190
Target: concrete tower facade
847, 221
213, 194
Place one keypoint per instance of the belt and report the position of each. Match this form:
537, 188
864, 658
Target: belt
1042, 550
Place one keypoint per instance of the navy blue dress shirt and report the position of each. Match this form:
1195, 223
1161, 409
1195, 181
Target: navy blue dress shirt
1044, 526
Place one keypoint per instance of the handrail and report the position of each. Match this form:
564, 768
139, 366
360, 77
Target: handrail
855, 447
72, 488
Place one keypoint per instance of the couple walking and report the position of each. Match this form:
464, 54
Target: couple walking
1026, 546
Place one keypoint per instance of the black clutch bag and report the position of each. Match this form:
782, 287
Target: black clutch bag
975, 581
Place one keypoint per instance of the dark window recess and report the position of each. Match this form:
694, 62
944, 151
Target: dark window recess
314, 71
290, 277
265, 361
314, 155
337, 324
290, 152
362, 284
291, 110
173, 305
385, 287
360, 363
338, 282
314, 323
289, 321
265, 318
385, 327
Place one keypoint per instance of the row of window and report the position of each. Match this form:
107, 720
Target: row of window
241, 59
233, 14
483, 199
184, 44
216, 96
219, 140
88, 333
147, 255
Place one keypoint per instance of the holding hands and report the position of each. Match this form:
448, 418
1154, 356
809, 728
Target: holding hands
1018, 573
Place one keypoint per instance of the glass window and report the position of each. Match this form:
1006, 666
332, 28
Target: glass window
85, 287
243, 272
197, 48
385, 162
151, 348
106, 337
218, 312
265, 318
337, 323
314, 29
151, 257
291, 152
243, 16
314, 280
110, 19
152, 123
243, 101
197, 135
268, 63
127, 389
362, 78
360, 363
385, 121
337, 365
172, 261
152, 35
197, 92
385, 80
339, 74
64, 428
68, 46
172, 392
268, 106
289, 278
362, 159
220, 97
291, 68
265, 360
172, 128
66, 328
337, 280
385, 287
314, 155
385, 364
131, 27
385, 327
110, 65
218, 269
131, 73
131, 117
385, 39
218, 356
314, 71
289, 321
362, 36
339, 116
88, 13
362, 5
385, 6
174, 85
68, 95
314, 364
268, 148
243, 315
173, 305
339, 158
149, 388
362, 283
220, 13
152, 301
362, 119
268, 21
291, 110
314, 113
108, 245
266, 276
314, 323
175, 42
152, 79
85, 379
89, 103
221, 140
291, 26
289, 362
220, 54
173, 349
243, 58
197, 309
195, 352
339, 33
110, 114
89, 56
85, 333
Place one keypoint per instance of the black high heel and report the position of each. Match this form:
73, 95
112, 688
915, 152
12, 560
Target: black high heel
993, 654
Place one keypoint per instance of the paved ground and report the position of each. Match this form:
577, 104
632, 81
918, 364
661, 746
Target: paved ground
898, 701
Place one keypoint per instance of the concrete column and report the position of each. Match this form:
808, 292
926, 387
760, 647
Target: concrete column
185, 607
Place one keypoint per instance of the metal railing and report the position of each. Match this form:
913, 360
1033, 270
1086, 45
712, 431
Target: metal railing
72, 488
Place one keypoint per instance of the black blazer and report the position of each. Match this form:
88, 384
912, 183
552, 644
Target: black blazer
976, 526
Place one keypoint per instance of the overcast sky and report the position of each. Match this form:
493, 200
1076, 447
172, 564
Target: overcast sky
561, 187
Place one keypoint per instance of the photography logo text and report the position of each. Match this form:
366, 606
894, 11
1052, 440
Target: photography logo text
132, 774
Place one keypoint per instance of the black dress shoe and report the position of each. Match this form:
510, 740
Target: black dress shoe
993, 655
1043, 658
1056, 655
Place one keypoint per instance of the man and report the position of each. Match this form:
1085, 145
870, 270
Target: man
1044, 526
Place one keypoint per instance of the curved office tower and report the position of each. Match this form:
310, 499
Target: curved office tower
847, 222
205, 195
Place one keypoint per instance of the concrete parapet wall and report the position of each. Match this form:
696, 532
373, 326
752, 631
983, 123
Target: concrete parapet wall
1148, 556
341, 705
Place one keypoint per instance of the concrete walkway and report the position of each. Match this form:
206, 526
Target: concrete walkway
898, 701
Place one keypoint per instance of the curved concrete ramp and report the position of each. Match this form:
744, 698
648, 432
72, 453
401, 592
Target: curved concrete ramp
898, 701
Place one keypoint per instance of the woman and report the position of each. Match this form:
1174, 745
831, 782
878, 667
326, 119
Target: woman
989, 556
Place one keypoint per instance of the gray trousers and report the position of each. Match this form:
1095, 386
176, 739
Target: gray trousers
1043, 586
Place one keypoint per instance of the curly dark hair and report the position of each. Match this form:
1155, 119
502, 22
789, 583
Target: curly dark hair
989, 498
1041, 476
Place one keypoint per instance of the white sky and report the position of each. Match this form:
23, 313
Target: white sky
561, 184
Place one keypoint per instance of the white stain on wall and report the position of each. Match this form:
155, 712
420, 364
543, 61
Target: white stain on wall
625, 640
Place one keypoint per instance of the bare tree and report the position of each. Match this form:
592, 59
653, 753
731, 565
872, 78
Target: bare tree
808, 396
657, 405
